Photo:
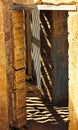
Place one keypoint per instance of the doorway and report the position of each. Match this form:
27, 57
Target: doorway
50, 97
46, 68
49, 54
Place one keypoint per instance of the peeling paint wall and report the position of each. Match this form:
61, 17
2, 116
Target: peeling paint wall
60, 1
3, 76
73, 70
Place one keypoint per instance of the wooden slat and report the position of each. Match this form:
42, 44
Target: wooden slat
19, 7
57, 7
28, 42
46, 7
60, 55
36, 47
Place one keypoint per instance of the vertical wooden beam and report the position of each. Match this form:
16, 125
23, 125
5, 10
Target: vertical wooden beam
28, 42
60, 56
73, 70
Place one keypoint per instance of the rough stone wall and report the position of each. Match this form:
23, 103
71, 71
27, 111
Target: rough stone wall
4, 122
19, 91
26, 2
31, 2
60, 1
11, 86
45, 1
73, 70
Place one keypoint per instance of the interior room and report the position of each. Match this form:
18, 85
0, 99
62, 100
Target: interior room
39, 65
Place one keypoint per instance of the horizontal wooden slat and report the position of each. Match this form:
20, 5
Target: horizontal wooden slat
57, 7
19, 7
46, 7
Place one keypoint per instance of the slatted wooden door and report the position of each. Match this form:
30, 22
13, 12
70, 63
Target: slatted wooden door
36, 47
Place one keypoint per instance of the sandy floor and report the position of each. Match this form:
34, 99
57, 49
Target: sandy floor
42, 116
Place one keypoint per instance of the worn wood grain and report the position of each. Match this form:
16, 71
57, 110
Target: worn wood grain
28, 42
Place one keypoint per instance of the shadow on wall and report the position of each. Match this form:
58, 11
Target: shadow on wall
50, 73
54, 56
46, 54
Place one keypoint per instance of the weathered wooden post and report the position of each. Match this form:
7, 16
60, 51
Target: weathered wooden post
60, 57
